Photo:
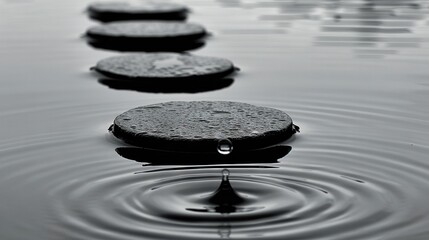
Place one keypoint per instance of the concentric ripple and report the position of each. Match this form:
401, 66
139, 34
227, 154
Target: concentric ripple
298, 202
357, 171
336, 183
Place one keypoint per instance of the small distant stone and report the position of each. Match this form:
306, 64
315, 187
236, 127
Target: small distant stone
116, 11
200, 126
144, 32
172, 66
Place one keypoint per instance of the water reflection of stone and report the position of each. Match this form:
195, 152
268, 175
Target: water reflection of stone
156, 157
370, 27
378, 26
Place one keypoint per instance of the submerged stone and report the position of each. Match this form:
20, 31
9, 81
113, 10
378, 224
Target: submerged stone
164, 66
200, 126
145, 32
116, 11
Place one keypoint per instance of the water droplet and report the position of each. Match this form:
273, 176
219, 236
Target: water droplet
225, 175
224, 147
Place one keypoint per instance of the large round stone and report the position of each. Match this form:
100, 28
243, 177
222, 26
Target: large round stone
145, 32
203, 126
116, 11
164, 66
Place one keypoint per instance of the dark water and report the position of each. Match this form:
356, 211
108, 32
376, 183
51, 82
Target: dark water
352, 74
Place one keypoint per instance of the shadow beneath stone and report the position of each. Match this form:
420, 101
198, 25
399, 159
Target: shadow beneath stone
139, 45
168, 86
113, 17
156, 157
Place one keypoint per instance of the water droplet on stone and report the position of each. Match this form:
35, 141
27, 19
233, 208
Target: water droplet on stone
224, 147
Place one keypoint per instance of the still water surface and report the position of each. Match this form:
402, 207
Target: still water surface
352, 74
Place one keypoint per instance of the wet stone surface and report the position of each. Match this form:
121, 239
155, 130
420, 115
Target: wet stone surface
147, 30
164, 66
114, 11
200, 126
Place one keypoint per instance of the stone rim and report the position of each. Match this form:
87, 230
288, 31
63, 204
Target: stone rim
108, 12
103, 33
103, 67
209, 144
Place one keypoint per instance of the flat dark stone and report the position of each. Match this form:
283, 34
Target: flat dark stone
146, 32
170, 67
201, 125
117, 11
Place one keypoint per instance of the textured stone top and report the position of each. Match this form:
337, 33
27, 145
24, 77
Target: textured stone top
147, 29
136, 7
200, 126
163, 65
